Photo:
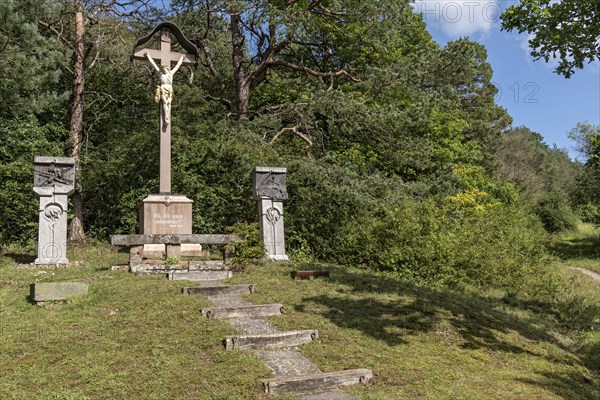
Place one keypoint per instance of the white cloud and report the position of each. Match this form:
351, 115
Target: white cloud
460, 17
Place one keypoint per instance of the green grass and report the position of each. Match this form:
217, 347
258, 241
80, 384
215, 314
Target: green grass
579, 248
138, 338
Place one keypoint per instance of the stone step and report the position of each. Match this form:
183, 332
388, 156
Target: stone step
253, 326
257, 310
287, 362
271, 340
200, 275
218, 290
316, 382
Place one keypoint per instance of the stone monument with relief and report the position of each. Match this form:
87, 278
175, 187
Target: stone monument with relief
166, 212
269, 189
53, 181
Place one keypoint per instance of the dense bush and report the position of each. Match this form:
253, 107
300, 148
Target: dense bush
22, 140
555, 213
431, 244
589, 213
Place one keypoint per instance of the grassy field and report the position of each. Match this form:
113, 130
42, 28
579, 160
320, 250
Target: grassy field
579, 248
138, 338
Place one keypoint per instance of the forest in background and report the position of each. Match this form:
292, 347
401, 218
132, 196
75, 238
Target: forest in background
398, 157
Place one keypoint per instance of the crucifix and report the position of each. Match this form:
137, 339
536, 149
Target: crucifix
164, 93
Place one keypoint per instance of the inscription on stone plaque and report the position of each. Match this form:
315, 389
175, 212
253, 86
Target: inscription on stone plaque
170, 220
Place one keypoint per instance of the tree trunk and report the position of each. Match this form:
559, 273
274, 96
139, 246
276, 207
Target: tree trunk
241, 80
76, 232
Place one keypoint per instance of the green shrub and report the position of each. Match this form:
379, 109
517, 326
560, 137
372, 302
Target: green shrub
589, 213
252, 249
22, 140
555, 213
432, 244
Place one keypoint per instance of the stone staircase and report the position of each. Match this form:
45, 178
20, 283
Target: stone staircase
294, 373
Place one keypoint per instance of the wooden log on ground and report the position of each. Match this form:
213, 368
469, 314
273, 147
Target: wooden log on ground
316, 382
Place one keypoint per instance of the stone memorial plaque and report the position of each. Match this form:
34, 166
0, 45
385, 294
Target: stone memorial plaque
270, 182
54, 180
270, 190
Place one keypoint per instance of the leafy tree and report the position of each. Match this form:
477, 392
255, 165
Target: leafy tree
568, 30
587, 139
536, 168
30, 64
71, 28
323, 40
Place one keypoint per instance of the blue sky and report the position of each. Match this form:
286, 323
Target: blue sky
531, 92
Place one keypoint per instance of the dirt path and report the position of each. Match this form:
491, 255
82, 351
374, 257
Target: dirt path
593, 275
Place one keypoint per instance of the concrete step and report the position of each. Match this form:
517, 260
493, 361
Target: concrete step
271, 340
316, 382
218, 290
287, 362
253, 311
200, 275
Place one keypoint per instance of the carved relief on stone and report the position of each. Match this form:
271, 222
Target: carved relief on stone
53, 174
52, 212
271, 184
273, 215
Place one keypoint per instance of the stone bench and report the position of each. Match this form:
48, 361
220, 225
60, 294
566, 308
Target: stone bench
173, 244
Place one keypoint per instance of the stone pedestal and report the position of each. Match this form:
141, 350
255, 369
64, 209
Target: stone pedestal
160, 213
270, 191
166, 214
271, 223
54, 180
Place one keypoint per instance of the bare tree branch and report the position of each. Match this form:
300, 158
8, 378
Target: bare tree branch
305, 137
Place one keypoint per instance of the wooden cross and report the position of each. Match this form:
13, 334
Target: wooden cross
164, 56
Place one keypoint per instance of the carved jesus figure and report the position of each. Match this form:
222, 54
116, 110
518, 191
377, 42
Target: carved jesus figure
164, 92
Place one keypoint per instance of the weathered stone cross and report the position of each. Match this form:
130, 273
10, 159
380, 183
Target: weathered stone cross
166, 57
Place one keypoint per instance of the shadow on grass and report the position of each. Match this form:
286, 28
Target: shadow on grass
572, 385
21, 258
577, 248
479, 322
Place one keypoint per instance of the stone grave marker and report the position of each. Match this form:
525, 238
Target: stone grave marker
53, 291
270, 191
54, 180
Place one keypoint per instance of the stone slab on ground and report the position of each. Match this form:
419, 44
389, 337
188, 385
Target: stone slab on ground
224, 301
287, 363
253, 326
271, 340
218, 290
200, 275
330, 395
311, 383
246, 311
52, 291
